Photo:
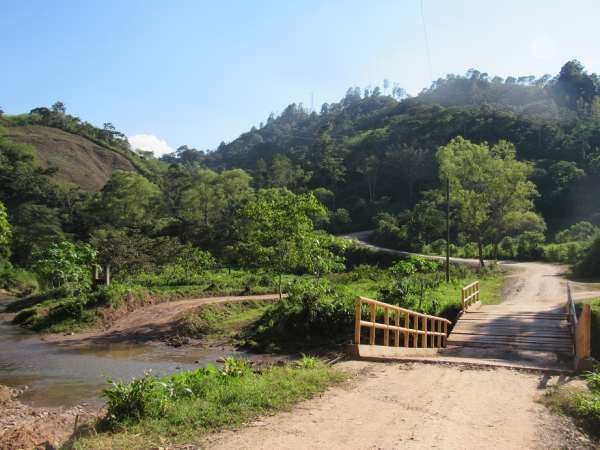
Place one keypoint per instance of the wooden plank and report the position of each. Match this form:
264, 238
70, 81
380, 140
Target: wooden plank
508, 321
456, 339
504, 346
513, 336
491, 328
534, 338
477, 315
528, 345
512, 333
382, 326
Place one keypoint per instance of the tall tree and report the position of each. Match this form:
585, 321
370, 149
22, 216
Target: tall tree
489, 186
277, 232
130, 200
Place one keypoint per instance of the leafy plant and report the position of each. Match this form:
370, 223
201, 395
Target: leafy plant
235, 367
65, 263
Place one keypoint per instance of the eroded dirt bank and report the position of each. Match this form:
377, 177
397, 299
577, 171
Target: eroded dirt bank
148, 323
25, 427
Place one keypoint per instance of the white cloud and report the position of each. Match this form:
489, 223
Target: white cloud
149, 142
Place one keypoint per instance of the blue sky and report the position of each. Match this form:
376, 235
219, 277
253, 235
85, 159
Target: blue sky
199, 72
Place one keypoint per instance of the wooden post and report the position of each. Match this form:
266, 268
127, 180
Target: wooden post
357, 319
107, 275
386, 331
406, 325
424, 328
582, 334
372, 329
397, 332
462, 299
415, 335
445, 337
438, 339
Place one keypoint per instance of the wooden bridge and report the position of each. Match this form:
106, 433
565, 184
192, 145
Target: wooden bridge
483, 334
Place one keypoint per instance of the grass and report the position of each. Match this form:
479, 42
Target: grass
223, 320
583, 405
183, 408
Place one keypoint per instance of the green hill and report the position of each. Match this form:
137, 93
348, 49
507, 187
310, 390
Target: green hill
375, 153
76, 159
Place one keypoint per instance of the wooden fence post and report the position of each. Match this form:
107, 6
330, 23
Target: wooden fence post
582, 334
372, 329
357, 319
397, 332
386, 321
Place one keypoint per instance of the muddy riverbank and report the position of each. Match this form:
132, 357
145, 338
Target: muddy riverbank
27, 427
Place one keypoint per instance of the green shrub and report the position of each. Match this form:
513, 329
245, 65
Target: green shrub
228, 388
140, 398
313, 313
66, 264
530, 245
507, 248
579, 232
589, 265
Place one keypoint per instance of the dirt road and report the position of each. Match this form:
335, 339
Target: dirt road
393, 406
150, 322
422, 406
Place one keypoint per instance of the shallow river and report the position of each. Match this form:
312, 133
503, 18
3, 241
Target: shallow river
65, 376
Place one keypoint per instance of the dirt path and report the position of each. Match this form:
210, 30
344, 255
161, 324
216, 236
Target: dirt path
394, 405
150, 322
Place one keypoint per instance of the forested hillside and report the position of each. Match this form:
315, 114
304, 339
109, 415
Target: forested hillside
372, 152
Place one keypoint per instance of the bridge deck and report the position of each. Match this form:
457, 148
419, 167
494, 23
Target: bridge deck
491, 332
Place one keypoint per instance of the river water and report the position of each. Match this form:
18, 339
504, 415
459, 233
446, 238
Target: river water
65, 375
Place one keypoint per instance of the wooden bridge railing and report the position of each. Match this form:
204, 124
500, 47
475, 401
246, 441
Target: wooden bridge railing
470, 295
408, 328
580, 328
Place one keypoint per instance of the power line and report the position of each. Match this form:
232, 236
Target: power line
426, 41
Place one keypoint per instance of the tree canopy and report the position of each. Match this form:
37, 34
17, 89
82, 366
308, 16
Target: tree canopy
490, 189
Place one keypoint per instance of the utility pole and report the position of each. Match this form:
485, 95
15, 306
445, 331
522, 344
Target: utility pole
447, 229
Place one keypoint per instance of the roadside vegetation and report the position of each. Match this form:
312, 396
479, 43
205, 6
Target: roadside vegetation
153, 412
583, 404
